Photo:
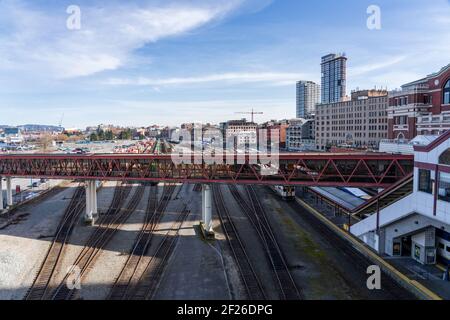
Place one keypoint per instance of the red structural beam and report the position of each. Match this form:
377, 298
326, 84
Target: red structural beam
309, 169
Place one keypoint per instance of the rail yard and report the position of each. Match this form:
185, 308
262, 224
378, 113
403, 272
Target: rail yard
146, 243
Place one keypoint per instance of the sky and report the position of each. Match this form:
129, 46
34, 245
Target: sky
144, 62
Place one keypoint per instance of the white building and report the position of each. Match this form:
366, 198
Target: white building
300, 135
244, 132
308, 95
416, 223
12, 135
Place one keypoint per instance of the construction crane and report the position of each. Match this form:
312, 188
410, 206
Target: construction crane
252, 113
61, 120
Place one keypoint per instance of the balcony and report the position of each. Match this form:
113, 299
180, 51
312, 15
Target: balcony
416, 107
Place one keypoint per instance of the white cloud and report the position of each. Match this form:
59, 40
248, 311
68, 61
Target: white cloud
39, 40
374, 66
273, 78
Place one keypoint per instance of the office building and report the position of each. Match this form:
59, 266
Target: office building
358, 122
300, 135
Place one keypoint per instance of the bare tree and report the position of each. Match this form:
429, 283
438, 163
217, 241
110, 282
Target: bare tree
45, 141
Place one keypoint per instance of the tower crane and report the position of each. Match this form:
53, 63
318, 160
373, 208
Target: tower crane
253, 113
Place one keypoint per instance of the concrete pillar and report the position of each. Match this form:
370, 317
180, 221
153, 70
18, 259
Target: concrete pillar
9, 197
91, 201
207, 207
88, 217
1, 194
94, 198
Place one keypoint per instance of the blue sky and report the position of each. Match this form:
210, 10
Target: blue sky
167, 62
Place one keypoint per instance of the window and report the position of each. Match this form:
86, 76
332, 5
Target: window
444, 187
445, 158
447, 93
425, 184
441, 246
447, 249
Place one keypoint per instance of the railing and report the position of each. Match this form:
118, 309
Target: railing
403, 92
396, 141
435, 119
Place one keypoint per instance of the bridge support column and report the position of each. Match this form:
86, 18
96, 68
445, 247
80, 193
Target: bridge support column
91, 202
9, 196
207, 212
1, 195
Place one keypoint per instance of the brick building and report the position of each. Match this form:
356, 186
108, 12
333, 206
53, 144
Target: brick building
421, 107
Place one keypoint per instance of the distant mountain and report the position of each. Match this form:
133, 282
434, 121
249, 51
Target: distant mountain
40, 127
34, 127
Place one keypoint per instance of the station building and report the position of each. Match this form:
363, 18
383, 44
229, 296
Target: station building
413, 217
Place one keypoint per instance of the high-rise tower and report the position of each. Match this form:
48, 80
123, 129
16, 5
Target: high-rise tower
308, 95
334, 75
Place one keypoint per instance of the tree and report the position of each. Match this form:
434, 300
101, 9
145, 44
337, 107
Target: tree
109, 135
62, 137
126, 135
93, 137
101, 135
45, 141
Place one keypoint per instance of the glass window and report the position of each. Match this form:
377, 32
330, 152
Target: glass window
447, 249
447, 93
441, 246
425, 181
444, 186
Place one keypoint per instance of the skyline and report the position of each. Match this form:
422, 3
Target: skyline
201, 61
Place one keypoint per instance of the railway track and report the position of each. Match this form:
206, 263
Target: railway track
41, 283
108, 226
150, 278
391, 290
249, 277
129, 277
257, 216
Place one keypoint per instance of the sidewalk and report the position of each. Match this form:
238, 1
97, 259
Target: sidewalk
430, 276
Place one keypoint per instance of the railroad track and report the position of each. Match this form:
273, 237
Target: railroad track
257, 216
249, 277
150, 278
129, 277
41, 283
391, 290
108, 226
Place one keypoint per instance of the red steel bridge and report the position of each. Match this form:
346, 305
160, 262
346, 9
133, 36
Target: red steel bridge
308, 169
